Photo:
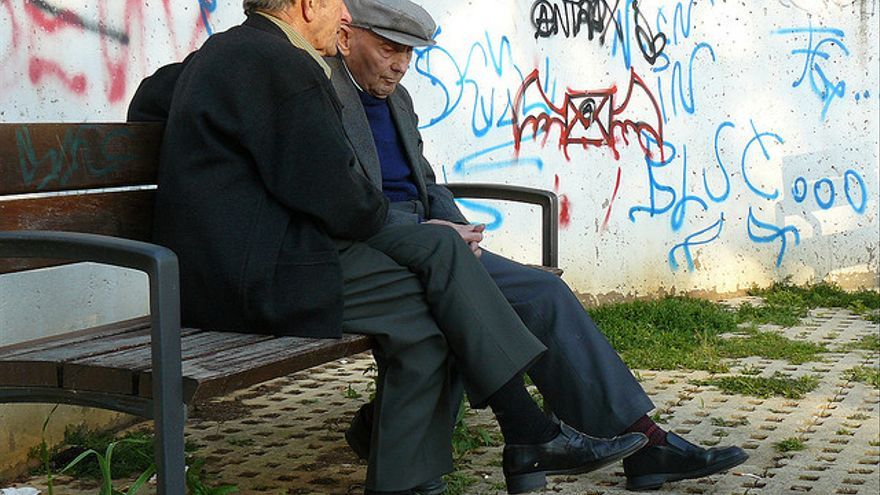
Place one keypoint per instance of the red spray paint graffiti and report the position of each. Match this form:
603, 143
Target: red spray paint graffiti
564, 206
121, 38
588, 118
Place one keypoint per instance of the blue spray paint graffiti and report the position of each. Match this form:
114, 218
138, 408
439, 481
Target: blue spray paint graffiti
691, 241
775, 233
206, 8
723, 196
825, 88
653, 186
480, 208
491, 74
745, 153
676, 82
825, 192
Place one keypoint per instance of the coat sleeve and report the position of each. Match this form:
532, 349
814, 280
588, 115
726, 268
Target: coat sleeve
305, 161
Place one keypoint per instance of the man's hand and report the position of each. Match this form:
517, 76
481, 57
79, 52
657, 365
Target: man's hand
472, 234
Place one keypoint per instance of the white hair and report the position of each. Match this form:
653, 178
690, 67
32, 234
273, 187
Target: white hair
251, 6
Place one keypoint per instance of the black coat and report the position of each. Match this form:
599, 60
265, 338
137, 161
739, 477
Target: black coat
256, 178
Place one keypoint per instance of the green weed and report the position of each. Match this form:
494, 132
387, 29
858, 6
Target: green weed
131, 457
785, 304
458, 482
351, 393
105, 467
44, 456
864, 374
770, 345
123, 458
681, 332
240, 441
730, 423
778, 385
791, 444
467, 438
866, 343
196, 484
670, 333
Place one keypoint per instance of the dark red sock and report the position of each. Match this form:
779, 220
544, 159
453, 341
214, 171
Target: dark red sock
655, 434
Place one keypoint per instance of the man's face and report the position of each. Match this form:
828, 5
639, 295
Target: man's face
329, 15
376, 63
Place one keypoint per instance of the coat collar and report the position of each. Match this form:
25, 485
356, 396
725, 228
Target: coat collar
357, 127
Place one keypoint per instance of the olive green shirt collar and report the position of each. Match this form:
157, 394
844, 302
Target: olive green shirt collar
298, 41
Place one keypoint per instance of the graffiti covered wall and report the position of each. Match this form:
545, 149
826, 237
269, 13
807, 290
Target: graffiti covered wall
696, 146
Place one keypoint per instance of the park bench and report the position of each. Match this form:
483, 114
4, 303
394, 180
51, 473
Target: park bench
83, 193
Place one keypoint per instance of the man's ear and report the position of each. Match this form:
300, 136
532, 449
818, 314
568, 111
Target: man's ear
308, 9
343, 40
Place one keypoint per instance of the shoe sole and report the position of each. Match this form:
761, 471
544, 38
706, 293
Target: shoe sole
655, 481
523, 483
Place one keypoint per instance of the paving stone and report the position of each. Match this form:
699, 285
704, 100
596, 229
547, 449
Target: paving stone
286, 436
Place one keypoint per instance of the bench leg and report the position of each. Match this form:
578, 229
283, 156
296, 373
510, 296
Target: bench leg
169, 410
169, 454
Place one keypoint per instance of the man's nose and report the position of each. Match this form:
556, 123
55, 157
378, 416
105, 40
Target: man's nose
400, 62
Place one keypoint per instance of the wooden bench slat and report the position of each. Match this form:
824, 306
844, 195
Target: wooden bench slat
242, 367
56, 157
118, 372
75, 337
16, 369
88, 347
128, 214
29, 374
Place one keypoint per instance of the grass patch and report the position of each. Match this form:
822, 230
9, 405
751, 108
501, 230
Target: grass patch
785, 304
729, 423
864, 374
791, 444
770, 345
467, 438
682, 332
778, 385
130, 458
669, 333
458, 482
866, 343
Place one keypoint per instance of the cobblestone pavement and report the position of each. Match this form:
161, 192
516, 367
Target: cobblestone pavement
286, 436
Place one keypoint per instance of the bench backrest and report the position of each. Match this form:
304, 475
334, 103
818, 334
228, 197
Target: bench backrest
96, 178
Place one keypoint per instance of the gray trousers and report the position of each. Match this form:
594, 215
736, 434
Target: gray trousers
424, 297
583, 380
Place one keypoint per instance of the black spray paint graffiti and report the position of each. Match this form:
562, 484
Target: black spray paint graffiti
549, 17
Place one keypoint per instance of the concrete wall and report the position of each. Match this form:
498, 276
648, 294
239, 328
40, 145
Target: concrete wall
767, 113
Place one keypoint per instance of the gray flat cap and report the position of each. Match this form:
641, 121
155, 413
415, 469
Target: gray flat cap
400, 21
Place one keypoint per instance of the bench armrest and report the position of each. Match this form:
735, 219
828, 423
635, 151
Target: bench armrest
158, 262
547, 200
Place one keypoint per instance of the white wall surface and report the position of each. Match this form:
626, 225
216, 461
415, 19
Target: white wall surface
768, 114
768, 111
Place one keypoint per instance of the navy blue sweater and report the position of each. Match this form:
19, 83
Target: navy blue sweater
397, 183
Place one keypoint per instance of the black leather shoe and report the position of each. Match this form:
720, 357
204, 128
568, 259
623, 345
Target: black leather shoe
358, 438
433, 487
526, 466
359, 433
652, 466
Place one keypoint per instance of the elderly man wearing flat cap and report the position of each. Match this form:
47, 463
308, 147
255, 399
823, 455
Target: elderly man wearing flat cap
581, 377
278, 230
